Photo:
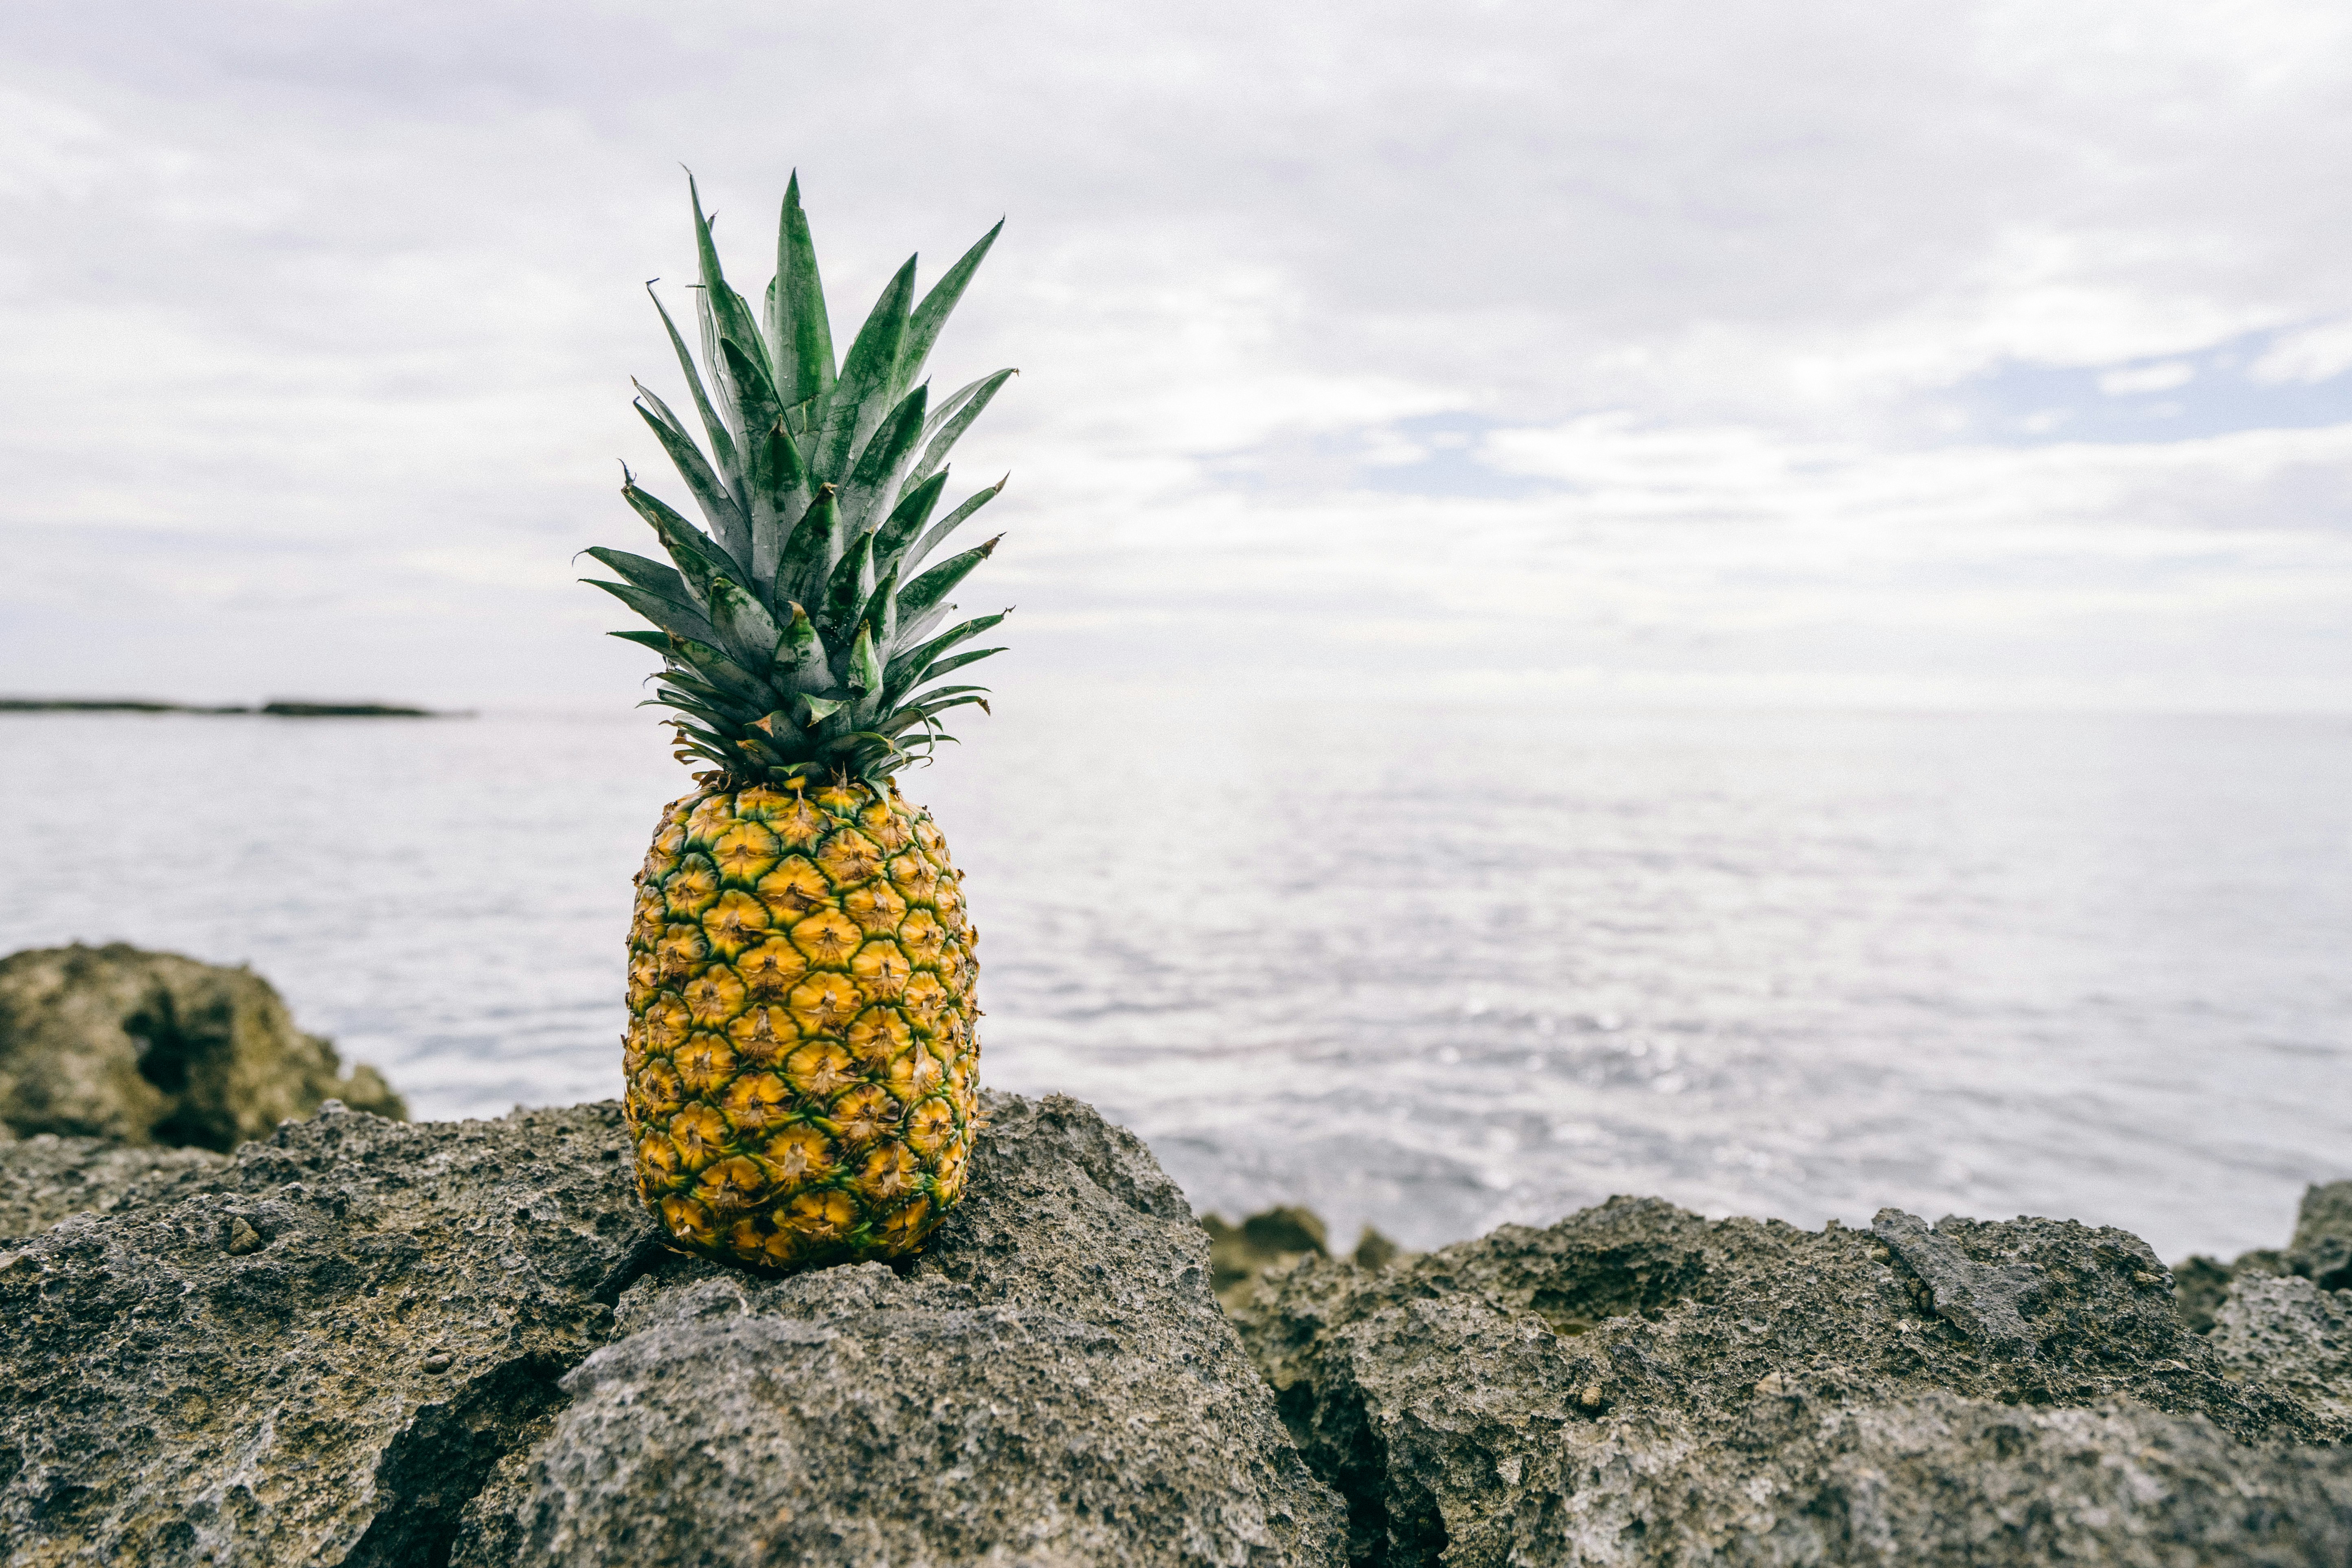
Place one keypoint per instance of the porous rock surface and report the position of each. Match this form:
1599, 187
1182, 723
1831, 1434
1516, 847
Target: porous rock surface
1238, 1254
313, 1355
45, 1177
2292, 1335
1636, 1384
138, 1048
363, 1342
1050, 1382
2320, 1251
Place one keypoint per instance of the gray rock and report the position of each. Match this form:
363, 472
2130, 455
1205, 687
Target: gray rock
1051, 1383
2293, 1336
1238, 1254
2199, 1285
1637, 1385
315, 1355
2321, 1248
2320, 1251
45, 1178
362, 1341
150, 1048
1933, 1479
1982, 1301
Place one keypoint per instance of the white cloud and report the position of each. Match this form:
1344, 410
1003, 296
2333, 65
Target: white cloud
2315, 353
320, 321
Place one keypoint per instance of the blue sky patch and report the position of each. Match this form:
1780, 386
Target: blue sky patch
2170, 397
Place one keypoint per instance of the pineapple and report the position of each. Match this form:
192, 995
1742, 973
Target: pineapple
800, 1055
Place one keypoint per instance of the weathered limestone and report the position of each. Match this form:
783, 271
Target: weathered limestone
1636, 1384
2320, 1251
360, 1341
316, 1354
152, 1049
43, 1179
1051, 1383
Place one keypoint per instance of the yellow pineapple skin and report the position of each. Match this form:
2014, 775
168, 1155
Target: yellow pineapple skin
802, 1058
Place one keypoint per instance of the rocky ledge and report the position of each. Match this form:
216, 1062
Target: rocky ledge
358, 1341
365, 1342
1636, 1384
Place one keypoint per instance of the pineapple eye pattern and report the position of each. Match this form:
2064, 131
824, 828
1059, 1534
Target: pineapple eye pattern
744, 852
771, 967
705, 1065
827, 938
801, 1064
714, 996
796, 886
755, 1103
736, 921
692, 887
762, 1036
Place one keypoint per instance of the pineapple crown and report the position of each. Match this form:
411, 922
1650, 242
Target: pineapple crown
800, 636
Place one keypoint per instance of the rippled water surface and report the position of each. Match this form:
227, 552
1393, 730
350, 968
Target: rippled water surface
1426, 969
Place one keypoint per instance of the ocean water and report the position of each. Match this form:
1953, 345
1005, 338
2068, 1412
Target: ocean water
1424, 970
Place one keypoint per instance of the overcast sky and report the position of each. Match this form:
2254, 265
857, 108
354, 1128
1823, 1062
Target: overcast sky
1888, 353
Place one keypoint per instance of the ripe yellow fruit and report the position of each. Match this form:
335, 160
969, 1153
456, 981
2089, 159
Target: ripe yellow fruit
802, 1058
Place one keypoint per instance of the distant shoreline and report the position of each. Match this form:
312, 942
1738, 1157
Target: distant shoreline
281, 709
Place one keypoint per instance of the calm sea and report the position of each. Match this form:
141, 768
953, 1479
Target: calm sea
1427, 970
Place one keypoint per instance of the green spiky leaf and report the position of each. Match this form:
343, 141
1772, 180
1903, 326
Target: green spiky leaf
650, 575
862, 396
795, 627
734, 317
745, 628
801, 662
953, 521
728, 523
801, 334
670, 614
940, 435
875, 482
723, 444
845, 591
808, 555
934, 585
905, 521
908, 667
865, 669
923, 326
